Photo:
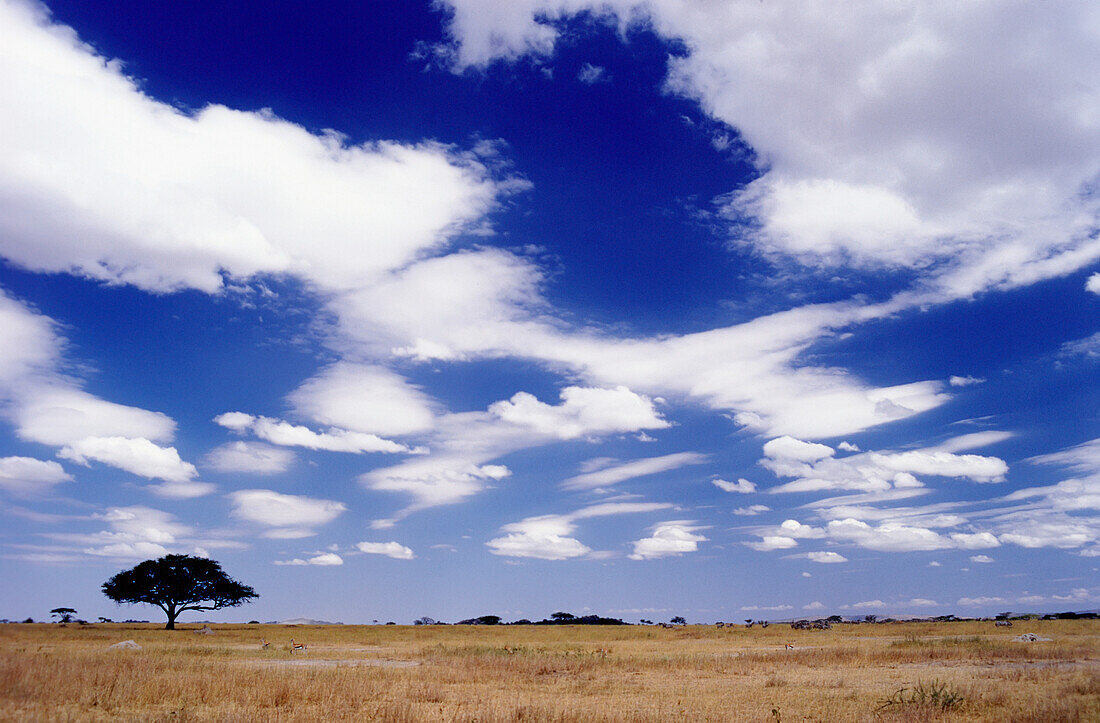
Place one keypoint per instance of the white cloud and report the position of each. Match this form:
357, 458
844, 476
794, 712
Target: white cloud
236, 421
789, 448
981, 558
486, 304
975, 440
250, 457
29, 476
286, 434
182, 489
922, 602
583, 411
59, 416
136, 532
1093, 284
975, 541
98, 179
390, 549
137, 456
742, 486
28, 343
547, 537
981, 601
1083, 458
825, 557
1089, 347
289, 516
966, 381
773, 542
867, 605
912, 144
815, 605
880, 471
629, 470
327, 559
363, 398
591, 74
751, 510
887, 537
766, 608
669, 539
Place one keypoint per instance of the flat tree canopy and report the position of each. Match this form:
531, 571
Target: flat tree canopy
175, 583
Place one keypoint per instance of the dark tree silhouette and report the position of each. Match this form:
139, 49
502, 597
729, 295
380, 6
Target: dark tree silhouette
678, 620
64, 615
175, 583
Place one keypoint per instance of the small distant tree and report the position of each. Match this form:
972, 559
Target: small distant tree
678, 620
562, 617
175, 583
1004, 615
63, 615
870, 618
105, 620
424, 621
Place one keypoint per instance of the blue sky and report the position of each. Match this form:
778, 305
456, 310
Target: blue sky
723, 310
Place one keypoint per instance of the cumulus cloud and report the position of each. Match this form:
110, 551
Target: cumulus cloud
616, 473
912, 142
363, 398
287, 516
1093, 284
751, 510
83, 196
547, 537
286, 434
249, 457
815, 469
58, 416
324, 559
975, 541
390, 549
773, 542
137, 456
583, 411
825, 557
981, 601
136, 532
789, 448
742, 486
669, 539
981, 558
29, 476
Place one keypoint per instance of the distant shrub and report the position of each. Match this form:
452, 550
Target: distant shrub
933, 695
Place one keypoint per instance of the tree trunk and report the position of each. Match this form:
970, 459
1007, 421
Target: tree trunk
171, 619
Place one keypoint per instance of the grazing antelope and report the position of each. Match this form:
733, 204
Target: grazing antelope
297, 647
788, 646
264, 644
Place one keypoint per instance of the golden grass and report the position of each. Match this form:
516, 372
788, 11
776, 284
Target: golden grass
535, 673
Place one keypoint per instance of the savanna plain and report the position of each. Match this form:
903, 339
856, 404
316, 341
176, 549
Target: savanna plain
887, 671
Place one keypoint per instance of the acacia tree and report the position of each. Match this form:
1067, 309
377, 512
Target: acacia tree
175, 583
64, 615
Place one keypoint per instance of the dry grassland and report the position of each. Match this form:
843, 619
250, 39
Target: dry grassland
950, 671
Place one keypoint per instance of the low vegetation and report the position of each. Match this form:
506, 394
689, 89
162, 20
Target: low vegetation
890, 672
